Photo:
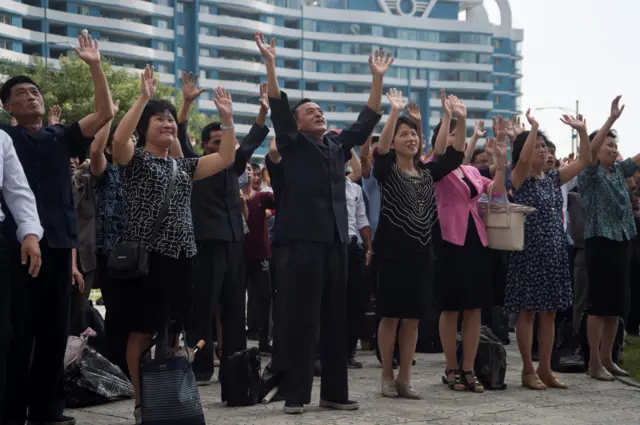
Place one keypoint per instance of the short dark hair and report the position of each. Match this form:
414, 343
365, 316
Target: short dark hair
206, 131
255, 166
550, 146
375, 139
5, 90
518, 144
477, 152
612, 133
436, 130
153, 107
299, 104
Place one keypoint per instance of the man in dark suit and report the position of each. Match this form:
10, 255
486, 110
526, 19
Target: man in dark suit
40, 306
313, 211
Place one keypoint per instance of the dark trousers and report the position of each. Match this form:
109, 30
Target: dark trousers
279, 275
40, 314
632, 323
357, 296
259, 306
5, 316
115, 321
315, 295
218, 281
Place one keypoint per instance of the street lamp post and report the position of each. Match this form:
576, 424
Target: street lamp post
303, 5
574, 133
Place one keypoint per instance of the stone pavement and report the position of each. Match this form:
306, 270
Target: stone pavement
586, 402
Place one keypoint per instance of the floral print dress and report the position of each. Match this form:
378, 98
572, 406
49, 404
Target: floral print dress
538, 277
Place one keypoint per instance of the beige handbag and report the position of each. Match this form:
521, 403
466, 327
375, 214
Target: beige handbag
505, 225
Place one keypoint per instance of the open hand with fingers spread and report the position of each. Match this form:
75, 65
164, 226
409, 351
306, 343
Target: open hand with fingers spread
190, 90
616, 109
578, 123
396, 101
267, 50
148, 83
446, 104
414, 112
88, 50
54, 114
501, 144
223, 104
532, 120
490, 146
264, 99
478, 130
458, 109
379, 63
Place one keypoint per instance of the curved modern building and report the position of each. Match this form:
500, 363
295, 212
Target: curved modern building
323, 47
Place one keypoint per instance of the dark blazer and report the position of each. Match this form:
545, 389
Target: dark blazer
45, 158
215, 201
313, 205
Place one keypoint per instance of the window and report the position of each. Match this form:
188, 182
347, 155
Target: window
205, 52
205, 96
84, 10
180, 29
163, 46
331, 108
180, 7
204, 31
5, 19
203, 74
162, 68
271, 20
204, 8
163, 2
497, 81
162, 23
497, 100
497, 43
180, 51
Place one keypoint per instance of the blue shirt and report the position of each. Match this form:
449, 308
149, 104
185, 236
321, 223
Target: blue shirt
371, 190
607, 201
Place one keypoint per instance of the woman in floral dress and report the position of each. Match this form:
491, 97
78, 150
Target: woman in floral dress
538, 278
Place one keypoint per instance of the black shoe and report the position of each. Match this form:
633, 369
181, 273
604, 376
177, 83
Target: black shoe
253, 336
266, 350
293, 409
340, 405
352, 363
60, 420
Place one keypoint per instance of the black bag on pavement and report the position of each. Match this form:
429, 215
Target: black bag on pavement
130, 259
567, 354
618, 344
240, 378
93, 380
491, 360
168, 386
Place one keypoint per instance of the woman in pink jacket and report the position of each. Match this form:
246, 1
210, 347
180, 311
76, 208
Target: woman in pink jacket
463, 263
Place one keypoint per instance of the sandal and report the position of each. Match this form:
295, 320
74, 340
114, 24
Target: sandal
472, 385
553, 381
533, 382
451, 383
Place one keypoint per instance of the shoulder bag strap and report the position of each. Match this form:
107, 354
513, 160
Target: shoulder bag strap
167, 200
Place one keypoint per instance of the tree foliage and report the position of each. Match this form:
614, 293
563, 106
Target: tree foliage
71, 87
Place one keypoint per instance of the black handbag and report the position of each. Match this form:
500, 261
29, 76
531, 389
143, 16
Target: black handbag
240, 380
168, 388
130, 259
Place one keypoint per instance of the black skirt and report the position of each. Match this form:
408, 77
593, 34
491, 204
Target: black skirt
608, 268
405, 287
463, 279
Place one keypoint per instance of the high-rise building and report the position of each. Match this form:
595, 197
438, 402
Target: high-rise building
323, 47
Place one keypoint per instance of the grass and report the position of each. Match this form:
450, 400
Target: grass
632, 357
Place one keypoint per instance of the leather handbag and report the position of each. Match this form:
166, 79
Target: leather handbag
505, 227
130, 259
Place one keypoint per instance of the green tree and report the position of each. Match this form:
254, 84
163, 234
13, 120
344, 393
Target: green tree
71, 87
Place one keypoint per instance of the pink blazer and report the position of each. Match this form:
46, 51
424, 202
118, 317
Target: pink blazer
454, 205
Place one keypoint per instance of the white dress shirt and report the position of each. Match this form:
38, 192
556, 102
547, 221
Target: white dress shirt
356, 209
16, 192
566, 188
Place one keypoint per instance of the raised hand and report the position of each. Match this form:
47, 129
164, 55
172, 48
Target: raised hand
490, 146
396, 102
532, 120
190, 90
223, 104
500, 145
478, 130
88, 50
616, 109
578, 123
518, 126
379, 63
414, 112
54, 114
458, 109
148, 83
446, 105
115, 107
264, 99
268, 50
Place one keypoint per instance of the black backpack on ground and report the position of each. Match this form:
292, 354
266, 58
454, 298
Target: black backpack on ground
491, 360
240, 378
567, 355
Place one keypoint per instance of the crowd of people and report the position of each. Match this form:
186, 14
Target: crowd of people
302, 235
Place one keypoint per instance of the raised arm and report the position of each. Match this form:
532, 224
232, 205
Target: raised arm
53, 117
366, 165
601, 136
274, 155
459, 111
441, 140
584, 159
96, 154
478, 133
379, 64
413, 110
89, 53
523, 166
214, 163
356, 173
190, 92
268, 51
396, 106
257, 135
500, 149
122, 147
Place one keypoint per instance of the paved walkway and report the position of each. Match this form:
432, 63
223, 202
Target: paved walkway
586, 402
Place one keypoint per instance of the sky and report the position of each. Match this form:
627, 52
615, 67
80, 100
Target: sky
584, 50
